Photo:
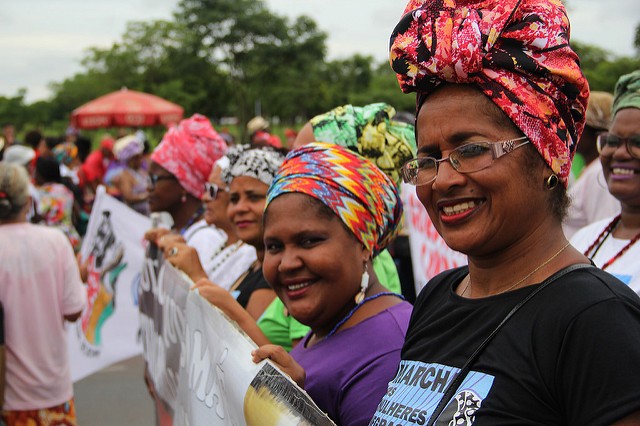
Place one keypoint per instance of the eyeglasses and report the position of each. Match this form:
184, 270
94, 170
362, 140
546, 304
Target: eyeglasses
608, 144
467, 158
212, 190
153, 179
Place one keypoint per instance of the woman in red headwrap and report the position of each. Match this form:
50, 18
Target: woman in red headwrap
180, 166
530, 332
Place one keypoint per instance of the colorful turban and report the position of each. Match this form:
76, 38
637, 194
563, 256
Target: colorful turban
370, 132
260, 163
127, 147
65, 153
358, 192
627, 92
515, 51
188, 151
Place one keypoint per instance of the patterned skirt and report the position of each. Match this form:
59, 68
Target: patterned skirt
60, 415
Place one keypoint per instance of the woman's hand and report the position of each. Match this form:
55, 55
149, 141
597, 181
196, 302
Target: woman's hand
83, 267
219, 297
284, 361
154, 235
224, 301
182, 256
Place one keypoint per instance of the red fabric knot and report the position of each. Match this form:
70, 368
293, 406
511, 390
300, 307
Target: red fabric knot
516, 52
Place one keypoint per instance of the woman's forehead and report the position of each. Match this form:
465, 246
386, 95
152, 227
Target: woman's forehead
454, 114
626, 121
248, 183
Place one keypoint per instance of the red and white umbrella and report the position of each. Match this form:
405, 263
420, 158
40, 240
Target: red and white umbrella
126, 108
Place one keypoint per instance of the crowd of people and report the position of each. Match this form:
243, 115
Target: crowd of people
518, 165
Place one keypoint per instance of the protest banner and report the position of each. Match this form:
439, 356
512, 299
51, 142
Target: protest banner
107, 331
430, 255
220, 384
199, 361
163, 302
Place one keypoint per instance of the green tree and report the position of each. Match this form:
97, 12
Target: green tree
267, 59
602, 68
13, 109
384, 87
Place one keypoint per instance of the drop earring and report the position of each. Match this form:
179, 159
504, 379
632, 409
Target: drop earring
364, 285
184, 197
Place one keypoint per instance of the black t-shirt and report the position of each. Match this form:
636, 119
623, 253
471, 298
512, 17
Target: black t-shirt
252, 282
569, 356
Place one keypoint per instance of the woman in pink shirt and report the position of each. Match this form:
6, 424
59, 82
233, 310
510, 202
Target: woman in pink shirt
41, 288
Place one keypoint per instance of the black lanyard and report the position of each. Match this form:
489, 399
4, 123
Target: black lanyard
457, 380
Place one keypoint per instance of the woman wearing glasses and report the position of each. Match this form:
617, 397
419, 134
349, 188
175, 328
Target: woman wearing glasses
248, 176
233, 257
612, 243
529, 332
180, 166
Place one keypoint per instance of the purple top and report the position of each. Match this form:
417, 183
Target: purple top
347, 374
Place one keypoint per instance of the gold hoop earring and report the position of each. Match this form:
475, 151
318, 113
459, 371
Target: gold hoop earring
552, 182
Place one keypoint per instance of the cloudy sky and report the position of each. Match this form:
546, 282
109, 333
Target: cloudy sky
42, 41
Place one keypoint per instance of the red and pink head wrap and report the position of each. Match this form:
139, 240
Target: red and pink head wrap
188, 152
515, 51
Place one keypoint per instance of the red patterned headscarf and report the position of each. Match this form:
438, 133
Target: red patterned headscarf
188, 152
515, 51
356, 190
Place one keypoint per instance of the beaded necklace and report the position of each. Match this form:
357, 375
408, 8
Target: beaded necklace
228, 252
355, 308
603, 236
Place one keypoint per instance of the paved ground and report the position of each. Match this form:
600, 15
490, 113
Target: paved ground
114, 396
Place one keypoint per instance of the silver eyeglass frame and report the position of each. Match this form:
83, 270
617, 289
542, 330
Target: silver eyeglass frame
409, 170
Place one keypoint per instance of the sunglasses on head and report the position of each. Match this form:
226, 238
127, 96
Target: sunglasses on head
212, 190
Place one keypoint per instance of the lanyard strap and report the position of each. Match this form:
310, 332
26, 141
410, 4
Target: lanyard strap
457, 380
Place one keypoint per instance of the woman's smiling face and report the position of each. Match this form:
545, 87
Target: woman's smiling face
247, 197
312, 262
479, 212
621, 170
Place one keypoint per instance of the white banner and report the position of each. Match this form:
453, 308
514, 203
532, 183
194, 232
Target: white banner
107, 331
430, 255
220, 384
200, 362
163, 304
